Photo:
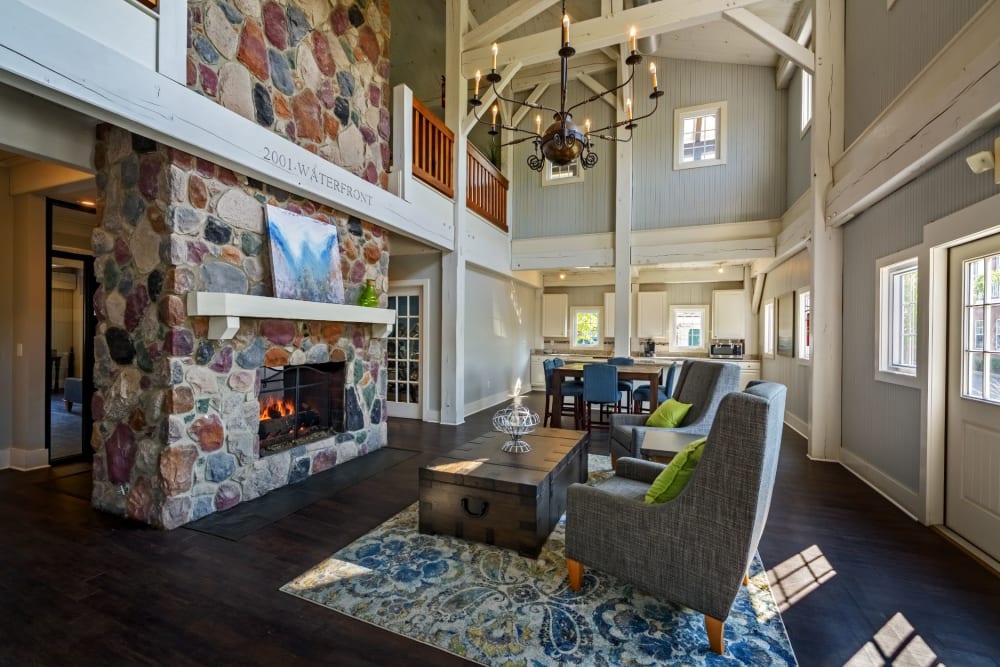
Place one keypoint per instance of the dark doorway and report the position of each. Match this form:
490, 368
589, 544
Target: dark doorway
69, 337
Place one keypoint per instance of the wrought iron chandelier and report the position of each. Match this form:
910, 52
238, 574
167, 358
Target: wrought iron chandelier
562, 142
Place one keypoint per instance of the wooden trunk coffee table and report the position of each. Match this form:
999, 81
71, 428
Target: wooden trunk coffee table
478, 492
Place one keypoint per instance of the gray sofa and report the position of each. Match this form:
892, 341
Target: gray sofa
702, 384
695, 549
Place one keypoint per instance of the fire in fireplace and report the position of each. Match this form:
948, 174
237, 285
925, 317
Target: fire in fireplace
299, 405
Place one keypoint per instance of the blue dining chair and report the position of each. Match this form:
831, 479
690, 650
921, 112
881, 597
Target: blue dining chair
664, 391
627, 386
569, 388
600, 385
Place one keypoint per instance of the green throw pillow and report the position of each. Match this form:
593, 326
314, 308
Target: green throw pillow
669, 414
669, 483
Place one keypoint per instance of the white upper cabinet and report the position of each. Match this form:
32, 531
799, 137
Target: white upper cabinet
555, 321
652, 315
728, 314
609, 314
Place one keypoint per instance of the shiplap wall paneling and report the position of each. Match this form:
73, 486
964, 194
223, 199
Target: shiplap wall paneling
585, 207
793, 275
750, 186
891, 443
799, 145
887, 48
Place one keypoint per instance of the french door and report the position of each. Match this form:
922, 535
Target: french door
404, 391
972, 495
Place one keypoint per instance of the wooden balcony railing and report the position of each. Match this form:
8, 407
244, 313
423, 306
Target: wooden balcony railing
486, 193
433, 145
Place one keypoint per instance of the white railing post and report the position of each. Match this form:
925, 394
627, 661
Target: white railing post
171, 40
402, 142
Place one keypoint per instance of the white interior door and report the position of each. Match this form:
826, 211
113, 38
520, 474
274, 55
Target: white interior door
972, 497
405, 390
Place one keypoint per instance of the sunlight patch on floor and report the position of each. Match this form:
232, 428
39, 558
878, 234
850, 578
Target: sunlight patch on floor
799, 576
898, 644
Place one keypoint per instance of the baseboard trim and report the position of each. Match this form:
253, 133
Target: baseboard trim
486, 402
28, 459
798, 425
432, 416
4, 459
972, 550
886, 486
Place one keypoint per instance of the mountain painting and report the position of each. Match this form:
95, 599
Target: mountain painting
305, 258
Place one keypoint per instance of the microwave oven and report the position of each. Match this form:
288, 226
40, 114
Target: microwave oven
726, 349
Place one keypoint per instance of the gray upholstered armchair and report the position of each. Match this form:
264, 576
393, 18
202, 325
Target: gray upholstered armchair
695, 549
702, 384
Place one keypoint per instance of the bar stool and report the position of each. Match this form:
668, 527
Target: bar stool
571, 388
628, 386
600, 385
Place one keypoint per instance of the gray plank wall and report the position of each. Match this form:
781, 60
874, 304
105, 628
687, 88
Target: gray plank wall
887, 48
791, 276
571, 208
799, 151
751, 186
891, 442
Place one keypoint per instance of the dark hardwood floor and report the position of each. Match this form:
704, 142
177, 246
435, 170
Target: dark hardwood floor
864, 584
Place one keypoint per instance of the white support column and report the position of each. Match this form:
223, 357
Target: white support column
623, 220
750, 344
453, 263
827, 245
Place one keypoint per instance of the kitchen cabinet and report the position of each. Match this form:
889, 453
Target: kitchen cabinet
609, 314
652, 315
555, 315
729, 314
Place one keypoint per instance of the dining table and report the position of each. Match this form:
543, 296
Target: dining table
649, 372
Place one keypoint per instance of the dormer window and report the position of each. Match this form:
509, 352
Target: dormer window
555, 174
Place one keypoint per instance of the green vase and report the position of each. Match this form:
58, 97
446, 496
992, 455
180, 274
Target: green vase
369, 295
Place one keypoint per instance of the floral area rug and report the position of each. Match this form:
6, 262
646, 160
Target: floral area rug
490, 605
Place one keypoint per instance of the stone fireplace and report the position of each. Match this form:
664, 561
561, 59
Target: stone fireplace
177, 414
299, 405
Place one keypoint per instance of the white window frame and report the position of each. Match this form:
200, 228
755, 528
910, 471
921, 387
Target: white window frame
600, 327
803, 326
886, 269
547, 178
767, 337
678, 347
720, 137
806, 114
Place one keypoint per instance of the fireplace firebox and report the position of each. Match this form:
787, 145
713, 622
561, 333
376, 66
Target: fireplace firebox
299, 405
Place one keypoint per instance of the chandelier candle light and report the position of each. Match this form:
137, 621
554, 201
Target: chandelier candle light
562, 142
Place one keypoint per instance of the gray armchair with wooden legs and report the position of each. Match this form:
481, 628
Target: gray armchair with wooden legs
702, 384
693, 550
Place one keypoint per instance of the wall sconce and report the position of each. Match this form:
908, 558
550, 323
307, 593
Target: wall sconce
984, 161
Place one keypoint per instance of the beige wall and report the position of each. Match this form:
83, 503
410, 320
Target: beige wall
27, 285
6, 316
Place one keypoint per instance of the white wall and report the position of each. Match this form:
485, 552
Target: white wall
499, 329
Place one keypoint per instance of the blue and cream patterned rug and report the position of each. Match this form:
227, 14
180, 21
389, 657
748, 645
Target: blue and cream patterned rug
494, 607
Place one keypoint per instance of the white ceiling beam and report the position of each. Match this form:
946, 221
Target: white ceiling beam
772, 37
535, 95
594, 85
496, 27
651, 19
802, 29
490, 97
611, 53
589, 63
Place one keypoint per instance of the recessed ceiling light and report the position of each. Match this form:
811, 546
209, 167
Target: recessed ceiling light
562, 276
581, 267
86, 202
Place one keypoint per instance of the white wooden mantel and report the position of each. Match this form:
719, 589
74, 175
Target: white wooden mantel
224, 311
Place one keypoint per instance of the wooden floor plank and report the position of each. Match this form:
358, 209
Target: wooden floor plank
82, 587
